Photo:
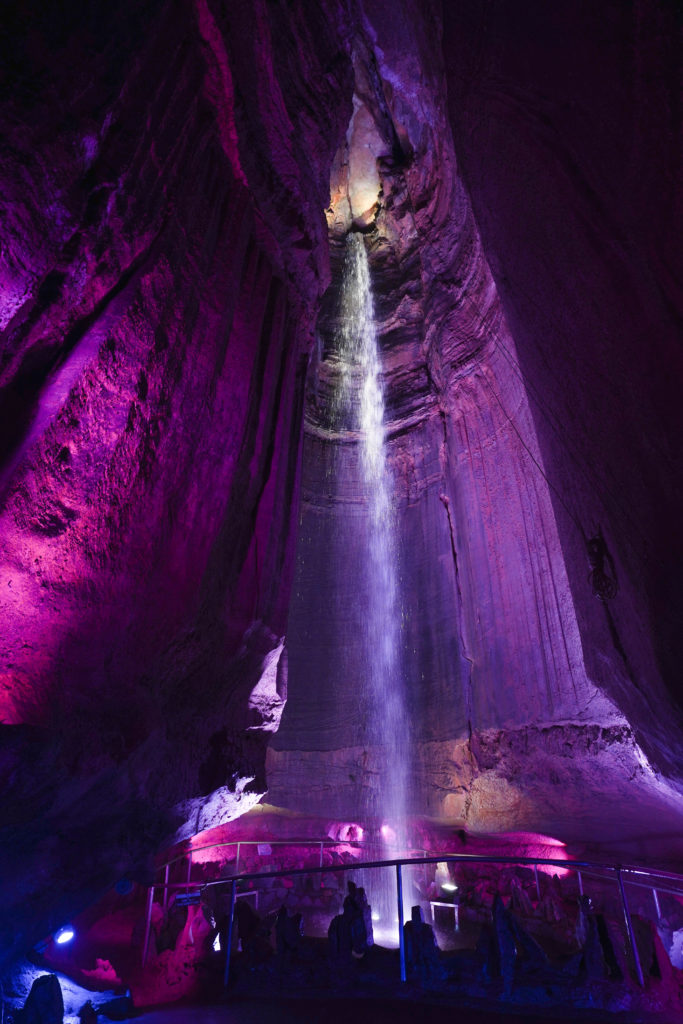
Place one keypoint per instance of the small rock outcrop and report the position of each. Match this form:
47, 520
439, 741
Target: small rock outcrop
45, 1003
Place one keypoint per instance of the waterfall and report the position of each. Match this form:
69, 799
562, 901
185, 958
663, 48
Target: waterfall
361, 394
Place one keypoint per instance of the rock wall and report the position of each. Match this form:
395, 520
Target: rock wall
567, 125
506, 646
164, 172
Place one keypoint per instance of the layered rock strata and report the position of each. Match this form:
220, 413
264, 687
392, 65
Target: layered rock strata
164, 169
499, 649
567, 125
164, 173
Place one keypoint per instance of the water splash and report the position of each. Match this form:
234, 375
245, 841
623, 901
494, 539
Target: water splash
361, 398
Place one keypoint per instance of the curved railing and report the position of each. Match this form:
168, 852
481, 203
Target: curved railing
653, 879
316, 844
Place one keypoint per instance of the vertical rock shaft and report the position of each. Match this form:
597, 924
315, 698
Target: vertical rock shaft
387, 730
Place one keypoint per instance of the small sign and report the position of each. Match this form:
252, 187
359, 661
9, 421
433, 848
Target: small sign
264, 849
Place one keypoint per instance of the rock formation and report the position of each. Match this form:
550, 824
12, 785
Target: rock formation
533, 701
164, 171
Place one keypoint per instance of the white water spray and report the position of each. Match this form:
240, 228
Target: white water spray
361, 391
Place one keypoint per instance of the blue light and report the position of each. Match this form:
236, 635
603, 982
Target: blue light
64, 934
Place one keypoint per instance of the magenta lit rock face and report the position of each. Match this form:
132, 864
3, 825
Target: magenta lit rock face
571, 156
164, 175
525, 691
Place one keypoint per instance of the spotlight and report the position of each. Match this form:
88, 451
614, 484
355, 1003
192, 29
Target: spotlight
449, 887
217, 944
63, 935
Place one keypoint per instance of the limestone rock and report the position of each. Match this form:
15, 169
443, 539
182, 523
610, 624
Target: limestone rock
45, 1004
511, 666
164, 170
167, 335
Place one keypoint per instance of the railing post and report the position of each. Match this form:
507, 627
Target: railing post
321, 854
166, 877
231, 918
401, 936
538, 884
629, 929
148, 924
580, 877
237, 861
658, 909
189, 867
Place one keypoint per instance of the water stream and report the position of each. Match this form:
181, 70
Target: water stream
361, 390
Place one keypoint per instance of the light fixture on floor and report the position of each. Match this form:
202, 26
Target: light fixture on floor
64, 935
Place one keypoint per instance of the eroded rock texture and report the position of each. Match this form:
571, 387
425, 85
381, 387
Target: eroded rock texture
164, 171
568, 132
531, 700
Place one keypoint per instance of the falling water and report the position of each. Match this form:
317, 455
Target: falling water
361, 391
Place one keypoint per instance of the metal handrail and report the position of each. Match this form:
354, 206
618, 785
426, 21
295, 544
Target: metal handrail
655, 872
639, 870
654, 885
257, 842
317, 843
442, 858
615, 872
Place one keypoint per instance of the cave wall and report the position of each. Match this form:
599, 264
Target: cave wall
533, 703
567, 126
164, 170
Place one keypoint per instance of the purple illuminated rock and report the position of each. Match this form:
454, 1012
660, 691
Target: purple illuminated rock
533, 704
164, 172
570, 153
164, 169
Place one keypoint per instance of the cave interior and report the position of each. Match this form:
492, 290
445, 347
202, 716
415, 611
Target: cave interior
184, 584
